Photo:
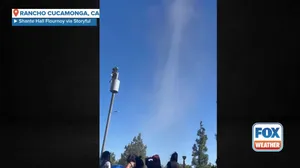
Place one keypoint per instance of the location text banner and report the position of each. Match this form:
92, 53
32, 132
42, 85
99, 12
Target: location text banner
54, 22
55, 13
55, 17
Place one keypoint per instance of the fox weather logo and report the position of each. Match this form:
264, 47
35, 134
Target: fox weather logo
267, 137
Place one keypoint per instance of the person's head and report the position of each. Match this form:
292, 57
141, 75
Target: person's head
131, 158
139, 162
174, 157
153, 162
105, 156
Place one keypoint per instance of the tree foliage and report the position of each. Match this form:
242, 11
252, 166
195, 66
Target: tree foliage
186, 166
211, 166
136, 146
113, 158
199, 156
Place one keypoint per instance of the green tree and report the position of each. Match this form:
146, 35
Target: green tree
136, 147
113, 158
200, 158
210, 165
186, 166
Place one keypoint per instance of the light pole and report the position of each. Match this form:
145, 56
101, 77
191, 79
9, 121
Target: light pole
114, 89
183, 157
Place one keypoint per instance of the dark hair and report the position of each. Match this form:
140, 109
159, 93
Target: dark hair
105, 156
172, 164
139, 162
174, 157
153, 162
131, 158
173, 161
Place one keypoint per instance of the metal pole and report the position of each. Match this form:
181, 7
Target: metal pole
108, 121
183, 157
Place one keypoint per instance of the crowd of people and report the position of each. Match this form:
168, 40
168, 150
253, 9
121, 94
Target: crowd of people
134, 161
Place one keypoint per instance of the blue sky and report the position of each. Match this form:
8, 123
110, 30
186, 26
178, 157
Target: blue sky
166, 54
